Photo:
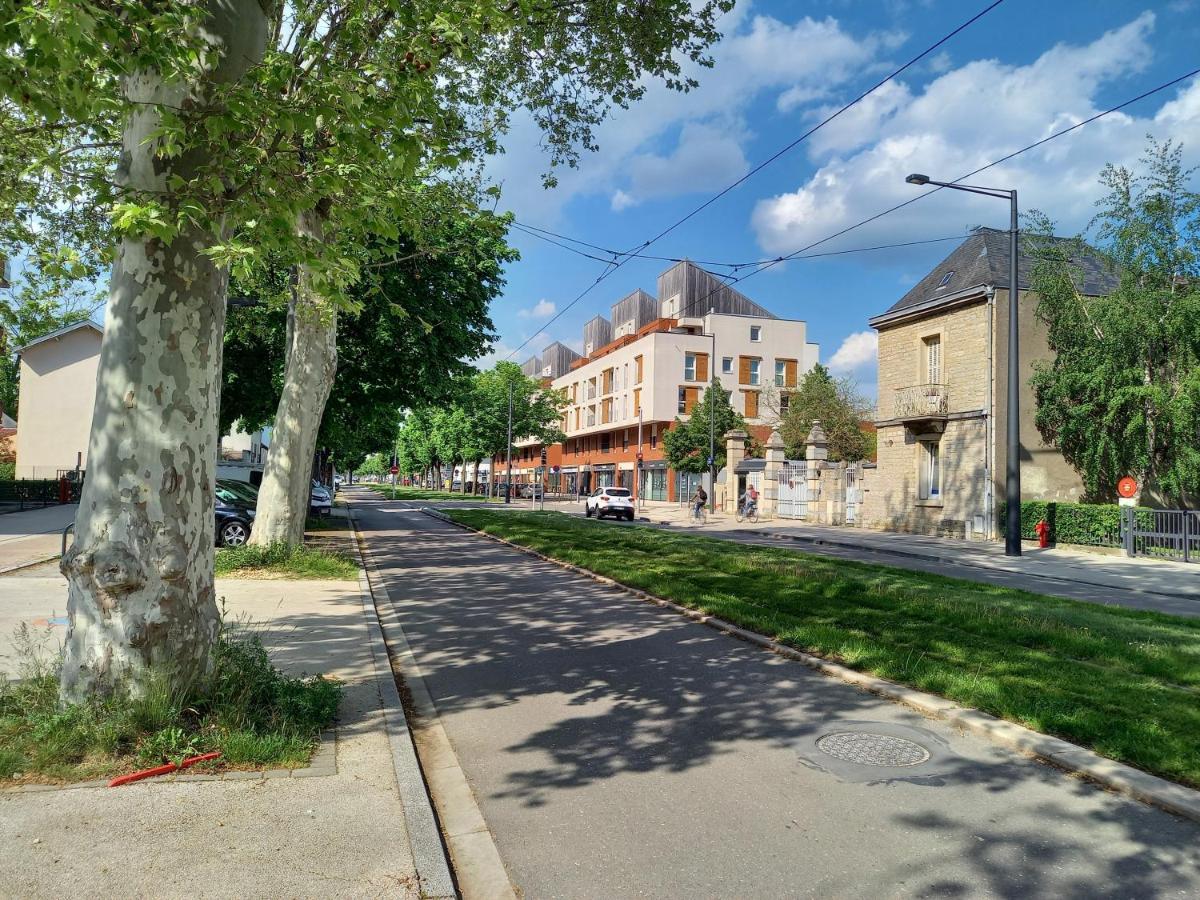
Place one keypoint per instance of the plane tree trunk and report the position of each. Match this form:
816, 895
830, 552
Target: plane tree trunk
308, 378
140, 570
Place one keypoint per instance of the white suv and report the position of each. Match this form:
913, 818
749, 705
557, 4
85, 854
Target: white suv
609, 501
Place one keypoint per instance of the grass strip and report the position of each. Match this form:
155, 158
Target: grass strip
256, 716
410, 493
284, 561
1125, 683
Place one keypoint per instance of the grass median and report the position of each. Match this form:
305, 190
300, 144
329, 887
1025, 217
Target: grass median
1122, 682
409, 493
284, 561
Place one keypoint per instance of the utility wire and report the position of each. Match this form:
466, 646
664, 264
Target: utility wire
797, 254
613, 266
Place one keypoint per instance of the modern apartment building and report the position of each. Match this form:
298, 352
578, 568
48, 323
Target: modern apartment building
651, 362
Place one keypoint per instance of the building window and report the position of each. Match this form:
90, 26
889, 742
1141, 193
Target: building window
605, 442
727, 365
755, 371
689, 367
653, 436
785, 401
755, 333
929, 478
637, 370
933, 359
625, 439
683, 400
780, 373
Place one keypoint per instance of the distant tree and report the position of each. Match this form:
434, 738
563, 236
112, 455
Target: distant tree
416, 450
1121, 395
537, 411
838, 406
686, 444
373, 464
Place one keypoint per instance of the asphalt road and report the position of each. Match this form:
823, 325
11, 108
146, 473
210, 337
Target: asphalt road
618, 750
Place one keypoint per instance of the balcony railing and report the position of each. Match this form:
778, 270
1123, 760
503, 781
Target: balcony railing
921, 401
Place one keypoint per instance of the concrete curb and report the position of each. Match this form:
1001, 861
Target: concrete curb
425, 844
477, 862
1071, 758
28, 565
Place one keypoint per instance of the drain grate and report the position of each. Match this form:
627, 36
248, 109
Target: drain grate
868, 749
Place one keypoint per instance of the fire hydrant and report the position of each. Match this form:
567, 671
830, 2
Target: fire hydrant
1043, 533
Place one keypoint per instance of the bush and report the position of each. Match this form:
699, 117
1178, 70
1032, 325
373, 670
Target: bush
1089, 524
251, 712
8, 470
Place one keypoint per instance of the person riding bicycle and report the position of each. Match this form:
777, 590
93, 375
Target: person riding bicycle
749, 500
699, 499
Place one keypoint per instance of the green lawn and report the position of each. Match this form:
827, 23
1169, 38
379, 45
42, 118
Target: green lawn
282, 561
1123, 682
410, 493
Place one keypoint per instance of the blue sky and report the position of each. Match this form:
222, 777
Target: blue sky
1023, 71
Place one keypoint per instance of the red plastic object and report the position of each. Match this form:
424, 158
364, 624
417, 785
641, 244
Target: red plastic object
1043, 533
162, 770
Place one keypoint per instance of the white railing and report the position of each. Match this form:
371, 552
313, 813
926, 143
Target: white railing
920, 401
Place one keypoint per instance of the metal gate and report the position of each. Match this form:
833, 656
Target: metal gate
793, 490
1163, 533
853, 493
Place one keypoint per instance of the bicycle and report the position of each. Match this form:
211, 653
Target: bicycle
699, 515
742, 514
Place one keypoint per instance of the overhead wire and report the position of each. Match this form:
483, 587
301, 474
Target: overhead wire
613, 266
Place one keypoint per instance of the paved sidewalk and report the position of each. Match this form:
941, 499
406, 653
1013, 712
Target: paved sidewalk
33, 535
341, 835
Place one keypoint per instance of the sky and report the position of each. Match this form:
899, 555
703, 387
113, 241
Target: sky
1020, 73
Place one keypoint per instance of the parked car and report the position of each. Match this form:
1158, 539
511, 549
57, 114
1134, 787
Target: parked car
235, 516
609, 501
531, 491
319, 501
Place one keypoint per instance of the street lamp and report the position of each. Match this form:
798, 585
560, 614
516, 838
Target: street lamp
1012, 482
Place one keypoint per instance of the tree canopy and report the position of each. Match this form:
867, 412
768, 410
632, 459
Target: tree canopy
1121, 395
837, 405
686, 444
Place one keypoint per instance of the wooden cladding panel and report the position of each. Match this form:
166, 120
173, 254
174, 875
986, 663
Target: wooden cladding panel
702, 367
751, 404
691, 396
744, 369
790, 370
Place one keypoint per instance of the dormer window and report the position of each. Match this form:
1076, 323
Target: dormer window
946, 279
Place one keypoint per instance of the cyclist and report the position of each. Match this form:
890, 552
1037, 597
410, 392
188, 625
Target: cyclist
749, 501
699, 499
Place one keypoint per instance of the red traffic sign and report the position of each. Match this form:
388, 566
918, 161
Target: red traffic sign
1127, 487
395, 470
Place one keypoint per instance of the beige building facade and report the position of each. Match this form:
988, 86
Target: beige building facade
56, 396
943, 411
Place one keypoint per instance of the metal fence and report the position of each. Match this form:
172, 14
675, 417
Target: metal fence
29, 493
1161, 533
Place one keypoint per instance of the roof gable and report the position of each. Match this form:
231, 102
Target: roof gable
86, 324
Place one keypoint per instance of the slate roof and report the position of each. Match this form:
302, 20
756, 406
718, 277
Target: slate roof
982, 259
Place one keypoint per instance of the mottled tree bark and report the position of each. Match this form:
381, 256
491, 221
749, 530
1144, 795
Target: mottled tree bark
307, 380
140, 570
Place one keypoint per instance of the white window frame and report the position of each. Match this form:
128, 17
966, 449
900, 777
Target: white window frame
727, 365
689, 367
683, 400
934, 366
756, 372
756, 334
780, 373
929, 470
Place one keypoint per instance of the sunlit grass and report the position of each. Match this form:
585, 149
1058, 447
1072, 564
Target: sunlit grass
1125, 683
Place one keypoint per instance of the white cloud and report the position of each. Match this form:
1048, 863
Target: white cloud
498, 352
856, 352
543, 309
705, 155
963, 120
799, 61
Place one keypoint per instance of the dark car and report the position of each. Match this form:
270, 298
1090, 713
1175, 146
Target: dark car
235, 515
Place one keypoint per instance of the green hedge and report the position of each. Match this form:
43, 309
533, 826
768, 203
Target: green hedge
1092, 524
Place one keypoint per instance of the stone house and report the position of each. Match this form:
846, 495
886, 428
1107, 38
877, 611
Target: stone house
942, 413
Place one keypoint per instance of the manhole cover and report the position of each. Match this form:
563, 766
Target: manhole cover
869, 749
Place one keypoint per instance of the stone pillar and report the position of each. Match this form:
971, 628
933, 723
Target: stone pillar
816, 453
769, 502
735, 452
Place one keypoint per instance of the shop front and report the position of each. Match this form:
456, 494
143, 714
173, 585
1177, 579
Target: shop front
654, 481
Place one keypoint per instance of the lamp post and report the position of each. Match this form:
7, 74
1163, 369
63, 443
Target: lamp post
508, 477
1012, 482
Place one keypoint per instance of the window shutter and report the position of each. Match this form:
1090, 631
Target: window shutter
789, 373
690, 399
637, 401
744, 369
637, 369
751, 404
933, 347
702, 367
